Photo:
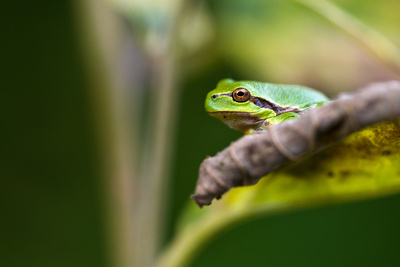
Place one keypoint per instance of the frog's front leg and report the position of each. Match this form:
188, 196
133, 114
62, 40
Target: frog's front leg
279, 119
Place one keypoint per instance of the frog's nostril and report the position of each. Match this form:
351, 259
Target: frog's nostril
213, 96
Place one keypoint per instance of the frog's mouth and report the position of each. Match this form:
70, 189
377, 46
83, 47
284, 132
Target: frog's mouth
241, 121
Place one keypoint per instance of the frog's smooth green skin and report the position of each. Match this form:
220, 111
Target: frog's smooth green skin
261, 104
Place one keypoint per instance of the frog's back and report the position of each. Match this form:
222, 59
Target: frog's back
288, 95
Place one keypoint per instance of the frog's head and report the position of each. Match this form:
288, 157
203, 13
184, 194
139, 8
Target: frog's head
236, 104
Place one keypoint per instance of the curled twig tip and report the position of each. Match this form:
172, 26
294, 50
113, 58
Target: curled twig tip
202, 200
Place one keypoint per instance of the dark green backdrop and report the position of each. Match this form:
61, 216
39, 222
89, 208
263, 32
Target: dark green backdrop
50, 201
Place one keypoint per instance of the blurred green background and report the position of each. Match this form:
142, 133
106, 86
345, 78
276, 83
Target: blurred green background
52, 201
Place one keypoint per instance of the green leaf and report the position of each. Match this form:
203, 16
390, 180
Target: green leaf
363, 165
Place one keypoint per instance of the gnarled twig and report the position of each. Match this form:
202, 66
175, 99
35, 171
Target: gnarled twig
245, 161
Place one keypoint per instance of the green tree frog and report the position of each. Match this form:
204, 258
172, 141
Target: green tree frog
252, 107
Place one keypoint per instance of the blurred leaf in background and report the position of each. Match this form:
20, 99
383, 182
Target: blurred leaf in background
364, 165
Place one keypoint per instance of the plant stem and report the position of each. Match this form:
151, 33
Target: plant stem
164, 101
189, 241
115, 138
377, 44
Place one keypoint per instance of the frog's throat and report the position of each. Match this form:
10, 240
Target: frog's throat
242, 121
263, 103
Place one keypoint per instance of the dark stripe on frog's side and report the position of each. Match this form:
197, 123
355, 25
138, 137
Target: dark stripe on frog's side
263, 103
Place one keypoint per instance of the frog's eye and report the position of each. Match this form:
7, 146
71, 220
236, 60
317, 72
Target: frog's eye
241, 95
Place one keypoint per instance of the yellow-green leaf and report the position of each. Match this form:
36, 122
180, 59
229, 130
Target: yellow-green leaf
363, 165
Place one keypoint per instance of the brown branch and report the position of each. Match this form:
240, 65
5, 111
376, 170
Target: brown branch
245, 161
